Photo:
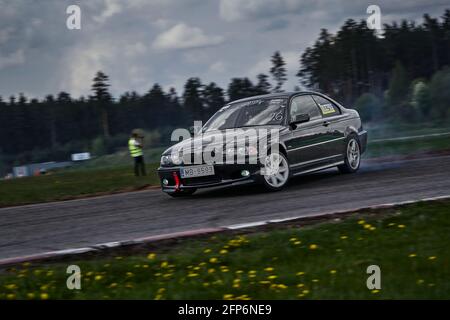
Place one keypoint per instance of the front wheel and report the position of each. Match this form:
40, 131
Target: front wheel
275, 172
352, 159
182, 193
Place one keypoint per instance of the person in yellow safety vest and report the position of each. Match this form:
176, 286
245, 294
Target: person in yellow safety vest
135, 146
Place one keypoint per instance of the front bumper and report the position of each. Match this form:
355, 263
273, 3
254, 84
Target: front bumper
225, 174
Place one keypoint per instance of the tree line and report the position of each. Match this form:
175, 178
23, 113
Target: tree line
402, 74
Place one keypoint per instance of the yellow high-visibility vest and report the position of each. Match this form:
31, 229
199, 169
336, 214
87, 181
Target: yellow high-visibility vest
134, 150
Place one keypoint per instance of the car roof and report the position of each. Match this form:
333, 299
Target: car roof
287, 95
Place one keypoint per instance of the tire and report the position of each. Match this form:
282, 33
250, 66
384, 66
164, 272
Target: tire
182, 193
352, 155
279, 179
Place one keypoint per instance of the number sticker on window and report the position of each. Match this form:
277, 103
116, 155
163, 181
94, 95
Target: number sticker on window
327, 108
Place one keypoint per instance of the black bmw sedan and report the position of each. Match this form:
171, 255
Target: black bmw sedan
265, 139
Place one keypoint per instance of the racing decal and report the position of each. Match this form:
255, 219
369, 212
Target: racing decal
327, 108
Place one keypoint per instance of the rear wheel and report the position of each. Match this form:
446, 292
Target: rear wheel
352, 159
182, 193
276, 171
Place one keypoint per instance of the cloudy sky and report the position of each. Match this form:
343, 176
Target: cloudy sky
140, 42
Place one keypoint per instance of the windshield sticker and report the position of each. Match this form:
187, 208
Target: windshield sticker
327, 108
278, 116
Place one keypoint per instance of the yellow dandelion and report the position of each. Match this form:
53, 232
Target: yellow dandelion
344, 237
30, 295
420, 281
412, 255
98, 278
372, 228
282, 286
228, 296
119, 258
225, 270
211, 270
333, 271
401, 226
213, 260
44, 296
313, 246
431, 284
315, 280
391, 224
44, 288
432, 258
300, 285
223, 251
305, 291
293, 239
164, 264
264, 282
367, 226
300, 273
375, 291
161, 290
252, 272
361, 222
236, 285
206, 284
192, 275
10, 296
272, 277
11, 286
297, 243
113, 285
207, 251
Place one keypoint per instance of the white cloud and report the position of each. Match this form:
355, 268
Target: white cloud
135, 49
218, 67
182, 36
112, 7
235, 10
13, 59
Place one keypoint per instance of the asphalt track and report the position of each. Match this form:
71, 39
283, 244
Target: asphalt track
40, 228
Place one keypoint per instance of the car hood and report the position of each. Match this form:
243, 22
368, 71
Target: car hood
218, 137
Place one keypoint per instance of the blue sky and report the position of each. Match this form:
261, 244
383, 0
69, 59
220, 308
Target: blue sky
140, 42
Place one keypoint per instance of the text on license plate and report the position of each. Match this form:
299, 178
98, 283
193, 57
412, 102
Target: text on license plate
197, 171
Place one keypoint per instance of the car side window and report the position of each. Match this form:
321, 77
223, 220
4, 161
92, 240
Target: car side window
327, 108
304, 105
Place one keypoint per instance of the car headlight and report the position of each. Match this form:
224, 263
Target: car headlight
171, 159
166, 160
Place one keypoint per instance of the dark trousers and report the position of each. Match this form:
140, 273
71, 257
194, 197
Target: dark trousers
139, 166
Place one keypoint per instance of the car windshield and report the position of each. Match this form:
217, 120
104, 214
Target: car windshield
258, 112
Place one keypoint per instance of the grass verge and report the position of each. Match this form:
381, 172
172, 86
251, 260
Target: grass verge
326, 260
72, 184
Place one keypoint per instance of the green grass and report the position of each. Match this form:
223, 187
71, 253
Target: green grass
69, 184
326, 260
407, 147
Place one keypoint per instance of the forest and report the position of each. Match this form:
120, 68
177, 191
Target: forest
401, 76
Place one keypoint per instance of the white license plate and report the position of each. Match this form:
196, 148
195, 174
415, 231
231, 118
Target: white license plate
197, 171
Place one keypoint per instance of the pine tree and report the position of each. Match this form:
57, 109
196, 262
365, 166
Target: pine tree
102, 98
263, 86
278, 71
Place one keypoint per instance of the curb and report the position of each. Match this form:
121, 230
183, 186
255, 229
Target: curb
197, 232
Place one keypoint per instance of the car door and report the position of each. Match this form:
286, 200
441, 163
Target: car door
304, 145
333, 122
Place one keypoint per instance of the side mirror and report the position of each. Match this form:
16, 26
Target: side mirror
300, 118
